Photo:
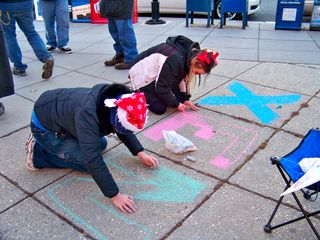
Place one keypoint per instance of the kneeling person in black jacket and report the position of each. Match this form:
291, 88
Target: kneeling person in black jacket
68, 128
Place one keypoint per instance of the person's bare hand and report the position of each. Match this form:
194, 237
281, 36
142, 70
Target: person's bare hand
124, 202
182, 107
191, 105
148, 160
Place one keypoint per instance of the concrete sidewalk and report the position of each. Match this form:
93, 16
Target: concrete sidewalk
260, 101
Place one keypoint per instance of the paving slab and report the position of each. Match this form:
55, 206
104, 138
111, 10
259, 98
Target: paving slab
235, 32
310, 65
288, 45
110, 74
76, 61
100, 48
295, 78
241, 54
68, 80
34, 72
17, 108
232, 213
30, 220
191, 31
289, 56
164, 196
285, 35
260, 176
307, 119
210, 82
227, 42
221, 147
10, 195
253, 102
231, 69
13, 157
142, 28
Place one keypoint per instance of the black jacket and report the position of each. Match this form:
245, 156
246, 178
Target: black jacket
117, 9
80, 113
179, 53
6, 82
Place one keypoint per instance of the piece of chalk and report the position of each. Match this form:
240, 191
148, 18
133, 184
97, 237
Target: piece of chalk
192, 159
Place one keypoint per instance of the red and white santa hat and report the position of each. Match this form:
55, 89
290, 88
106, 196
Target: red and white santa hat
132, 110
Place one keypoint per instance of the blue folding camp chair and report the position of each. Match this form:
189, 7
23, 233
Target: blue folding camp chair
290, 170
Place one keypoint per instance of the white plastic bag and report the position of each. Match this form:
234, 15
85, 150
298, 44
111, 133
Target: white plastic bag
176, 143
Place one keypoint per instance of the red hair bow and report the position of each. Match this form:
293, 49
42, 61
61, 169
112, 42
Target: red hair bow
204, 57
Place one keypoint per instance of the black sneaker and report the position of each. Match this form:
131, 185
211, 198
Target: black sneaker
47, 69
19, 72
50, 48
66, 49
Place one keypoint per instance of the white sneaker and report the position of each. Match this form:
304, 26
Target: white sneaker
66, 49
29, 151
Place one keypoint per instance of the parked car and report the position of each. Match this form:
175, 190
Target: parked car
179, 6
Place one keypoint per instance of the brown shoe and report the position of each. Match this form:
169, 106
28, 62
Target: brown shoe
47, 69
116, 59
122, 66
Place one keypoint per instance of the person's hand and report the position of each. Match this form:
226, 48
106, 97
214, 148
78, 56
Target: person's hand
191, 105
182, 107
148, 160
124, 202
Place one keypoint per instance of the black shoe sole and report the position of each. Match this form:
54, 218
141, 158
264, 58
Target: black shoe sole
47, 69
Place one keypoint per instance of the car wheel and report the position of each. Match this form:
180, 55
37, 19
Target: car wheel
218, 11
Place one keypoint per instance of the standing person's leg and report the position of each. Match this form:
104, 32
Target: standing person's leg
63, 24
128, 42
9, 29
48, 9
114, 32
25, 22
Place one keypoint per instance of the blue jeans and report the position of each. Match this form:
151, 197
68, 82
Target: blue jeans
54, 151
25, 22
122, 33
56, 19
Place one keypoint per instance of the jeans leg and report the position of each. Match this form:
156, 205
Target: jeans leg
127, 39
62, 18
25, 22
48, 13
53, 152
113, 29
9, 29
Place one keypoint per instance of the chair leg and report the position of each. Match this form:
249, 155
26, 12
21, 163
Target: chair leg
306, 215
267, 227
212, 17
187, 19
191, 22
208, 19
221, 20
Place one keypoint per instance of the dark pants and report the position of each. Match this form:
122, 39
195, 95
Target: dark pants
6, 82
52, 151
155, 105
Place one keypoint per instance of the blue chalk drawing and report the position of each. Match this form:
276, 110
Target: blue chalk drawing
168, 186
255, 103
